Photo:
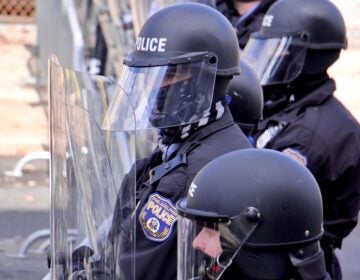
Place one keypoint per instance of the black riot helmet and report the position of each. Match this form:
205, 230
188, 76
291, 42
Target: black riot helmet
296, 36
186, 29
246, 98
184, 58
254, 213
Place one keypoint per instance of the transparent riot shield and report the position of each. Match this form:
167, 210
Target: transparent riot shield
88, 168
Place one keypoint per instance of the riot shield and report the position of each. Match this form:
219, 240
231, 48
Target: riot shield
87, 168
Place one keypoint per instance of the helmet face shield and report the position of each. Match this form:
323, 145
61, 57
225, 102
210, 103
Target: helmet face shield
207, 245
169, 95
276, 60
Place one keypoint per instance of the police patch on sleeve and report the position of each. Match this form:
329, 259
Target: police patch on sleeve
158, 217
295, 154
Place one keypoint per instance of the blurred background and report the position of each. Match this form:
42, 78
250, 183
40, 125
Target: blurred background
93, 36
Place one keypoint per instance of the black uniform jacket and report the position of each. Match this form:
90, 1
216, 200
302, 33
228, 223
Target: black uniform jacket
321, 133
156, 254
249, 23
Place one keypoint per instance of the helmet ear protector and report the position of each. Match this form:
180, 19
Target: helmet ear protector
317, 61
279, 262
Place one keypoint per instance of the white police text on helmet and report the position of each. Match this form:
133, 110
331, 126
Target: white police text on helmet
151, 44
192, 189
268, 20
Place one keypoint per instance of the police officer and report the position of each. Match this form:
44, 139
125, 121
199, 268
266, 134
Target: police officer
245, 98
251, 214
244, 15
291, 55
177, 77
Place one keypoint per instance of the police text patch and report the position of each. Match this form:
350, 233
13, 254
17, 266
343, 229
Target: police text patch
158, 217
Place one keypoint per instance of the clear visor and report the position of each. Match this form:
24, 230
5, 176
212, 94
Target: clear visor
164, 96
207, 249
275, 60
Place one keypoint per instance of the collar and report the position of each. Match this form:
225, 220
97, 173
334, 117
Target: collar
194, 139
314, 98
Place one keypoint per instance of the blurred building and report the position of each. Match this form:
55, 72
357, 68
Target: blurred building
17, 11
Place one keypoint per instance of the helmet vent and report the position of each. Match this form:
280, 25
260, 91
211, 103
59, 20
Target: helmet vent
252, 256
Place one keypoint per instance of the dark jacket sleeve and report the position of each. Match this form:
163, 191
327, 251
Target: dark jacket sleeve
334, 160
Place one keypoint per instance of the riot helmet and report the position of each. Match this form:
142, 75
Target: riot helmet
246, 98
246, 215
182, 53
296, 36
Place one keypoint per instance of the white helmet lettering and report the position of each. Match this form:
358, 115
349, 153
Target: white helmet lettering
151, 44
192, 189
267, 21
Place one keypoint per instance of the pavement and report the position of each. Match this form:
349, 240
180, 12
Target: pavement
24, 210
349, 255
24, 200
